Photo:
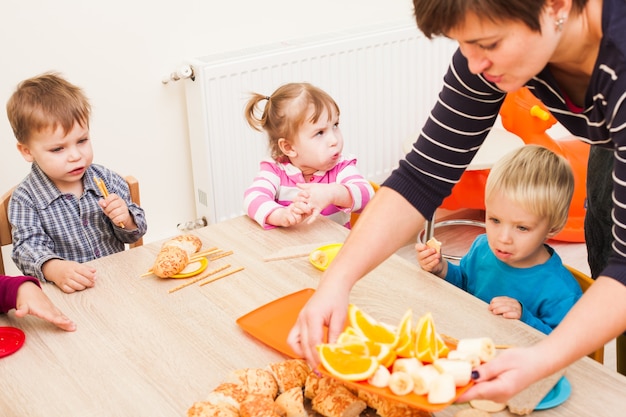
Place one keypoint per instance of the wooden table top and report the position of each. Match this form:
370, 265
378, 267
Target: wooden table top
142, 351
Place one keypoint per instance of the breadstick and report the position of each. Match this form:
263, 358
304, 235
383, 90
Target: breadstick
221, 255
204, 253
198, 278
103, 189
225, 274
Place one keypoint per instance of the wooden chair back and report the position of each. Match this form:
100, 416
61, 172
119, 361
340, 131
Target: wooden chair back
5, 227
585, 282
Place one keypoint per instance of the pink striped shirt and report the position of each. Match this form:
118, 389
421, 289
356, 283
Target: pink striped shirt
275, 186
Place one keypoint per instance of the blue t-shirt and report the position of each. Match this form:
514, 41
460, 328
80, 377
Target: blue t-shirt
546, 292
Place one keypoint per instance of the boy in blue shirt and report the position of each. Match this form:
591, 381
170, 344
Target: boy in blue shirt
527, 198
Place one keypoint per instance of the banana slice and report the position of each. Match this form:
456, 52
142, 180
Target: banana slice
470, 357
482, 346
423, 378
400, 383
380, 378
408, 365
442, 389
320, 257
461, 371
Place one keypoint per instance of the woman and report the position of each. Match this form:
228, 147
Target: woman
569, 53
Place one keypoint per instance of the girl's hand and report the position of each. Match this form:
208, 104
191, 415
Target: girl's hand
319, 196
506, 307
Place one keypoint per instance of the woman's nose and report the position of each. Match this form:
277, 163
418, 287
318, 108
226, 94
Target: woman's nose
477, 62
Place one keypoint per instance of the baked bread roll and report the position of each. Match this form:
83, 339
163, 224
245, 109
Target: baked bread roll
291, 403
170, 261
315, 383
290, 373
228, 393
207, 409
190, 243
337, 402
258, 405
175, 254
255, 381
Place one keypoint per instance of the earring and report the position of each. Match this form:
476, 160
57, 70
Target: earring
558, 23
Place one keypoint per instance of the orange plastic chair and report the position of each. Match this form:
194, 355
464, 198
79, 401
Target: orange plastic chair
523, 114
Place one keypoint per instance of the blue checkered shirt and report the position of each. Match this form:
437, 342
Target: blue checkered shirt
47, 224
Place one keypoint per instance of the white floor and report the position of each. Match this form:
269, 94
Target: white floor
572, 254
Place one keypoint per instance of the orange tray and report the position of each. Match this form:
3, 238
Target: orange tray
272, 322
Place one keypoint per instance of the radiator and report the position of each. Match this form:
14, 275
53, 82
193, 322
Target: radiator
384, 78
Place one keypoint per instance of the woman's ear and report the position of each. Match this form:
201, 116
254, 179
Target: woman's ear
25, 151
287, 148
560, 8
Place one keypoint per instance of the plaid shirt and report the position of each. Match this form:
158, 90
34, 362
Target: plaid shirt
47, 224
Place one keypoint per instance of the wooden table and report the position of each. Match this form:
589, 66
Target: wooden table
141, 351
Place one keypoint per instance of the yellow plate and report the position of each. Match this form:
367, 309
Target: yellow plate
194, 268
327, 253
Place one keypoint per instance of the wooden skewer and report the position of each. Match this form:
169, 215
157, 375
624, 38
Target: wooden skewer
103, 189
225, 274
198, 278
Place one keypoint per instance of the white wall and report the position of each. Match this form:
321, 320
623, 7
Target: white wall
119, 50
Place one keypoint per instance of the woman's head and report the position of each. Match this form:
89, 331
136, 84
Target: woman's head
535, 179
45, 102
438, 17
285, 112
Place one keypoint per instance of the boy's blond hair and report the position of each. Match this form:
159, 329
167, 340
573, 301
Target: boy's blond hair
285, 112
46, 101
536, 179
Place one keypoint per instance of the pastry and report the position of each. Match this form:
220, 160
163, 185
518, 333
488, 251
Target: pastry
255, 381
337, 402
291, 403
229, 393
175, 254
258, 405
207, 409
290, 373
170, 261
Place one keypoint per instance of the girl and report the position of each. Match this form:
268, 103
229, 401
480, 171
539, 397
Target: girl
307, 175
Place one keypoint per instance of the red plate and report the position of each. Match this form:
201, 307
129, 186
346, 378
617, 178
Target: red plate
272, 322
11, 340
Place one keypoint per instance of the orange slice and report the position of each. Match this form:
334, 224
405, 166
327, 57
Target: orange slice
350, 335
405, 333
370, 328
346, 365
426, 349
382, 352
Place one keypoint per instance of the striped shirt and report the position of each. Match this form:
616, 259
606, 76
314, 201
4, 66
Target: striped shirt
47, 224
468, 106
275, 186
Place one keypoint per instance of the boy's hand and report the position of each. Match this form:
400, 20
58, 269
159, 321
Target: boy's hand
116, 209
69, 276
430, 259
507, 307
